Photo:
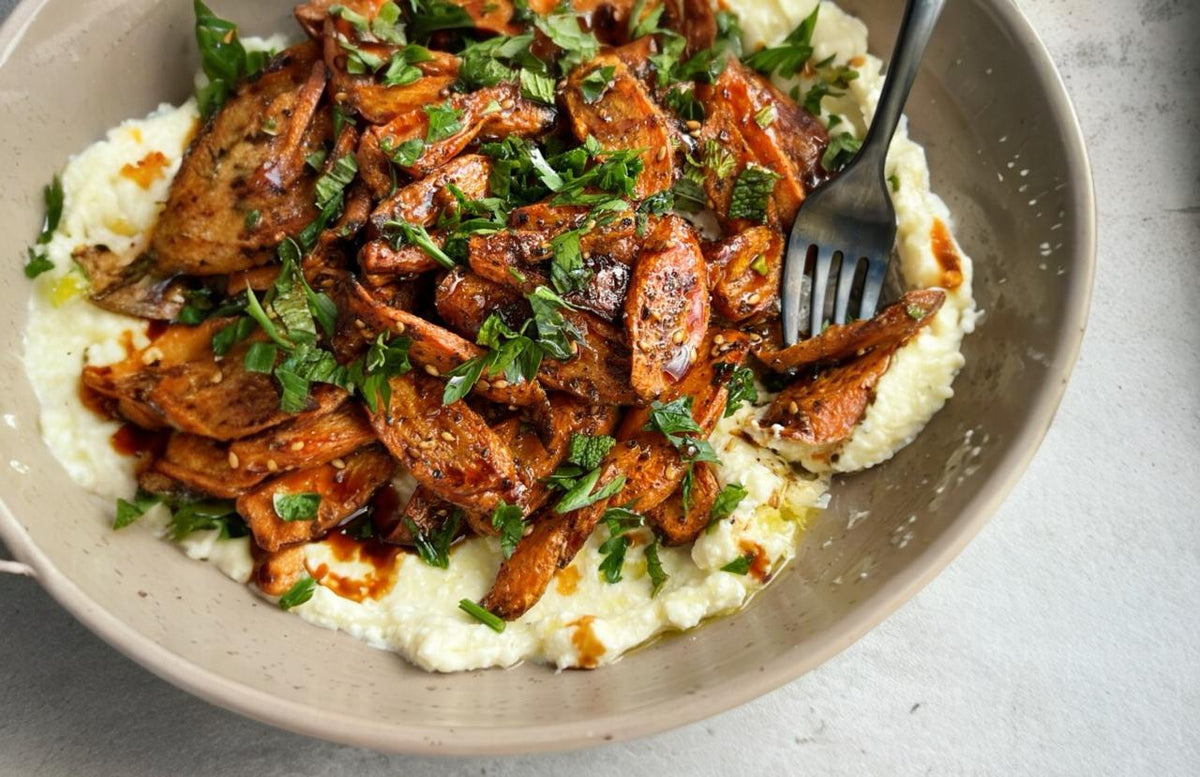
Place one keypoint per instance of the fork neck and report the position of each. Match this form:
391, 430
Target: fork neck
920, 17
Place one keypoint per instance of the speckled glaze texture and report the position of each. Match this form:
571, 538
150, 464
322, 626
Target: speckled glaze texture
1006, 156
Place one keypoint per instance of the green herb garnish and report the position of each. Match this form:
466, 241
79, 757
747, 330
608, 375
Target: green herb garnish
739, 566
726, 502
596, 83
296, 507
842, 148
752, 193
223, 58
788, 58
483, 616
298, 594
510, 521
434, 548
654, 568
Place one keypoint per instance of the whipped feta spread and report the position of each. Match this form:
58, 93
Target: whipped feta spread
114, 192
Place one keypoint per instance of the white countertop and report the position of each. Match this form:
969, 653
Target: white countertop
1065, 640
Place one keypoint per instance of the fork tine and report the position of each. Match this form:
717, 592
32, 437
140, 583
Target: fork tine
821, 267
793, 285
872, 286
845, 284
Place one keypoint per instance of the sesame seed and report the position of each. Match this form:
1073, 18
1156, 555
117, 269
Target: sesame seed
272, 466
719, 339
483, 385
152, 355
500, 384
693, 125
429, 368
448, 437
358, 322
298, 445
754, 298
217, 377
338, 464
662, 153
793, 408
677, 338
508, 104
233, 460
399, 327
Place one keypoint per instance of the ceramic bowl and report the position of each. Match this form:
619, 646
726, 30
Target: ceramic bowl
987, 104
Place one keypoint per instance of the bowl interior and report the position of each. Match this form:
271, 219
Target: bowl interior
1006, 156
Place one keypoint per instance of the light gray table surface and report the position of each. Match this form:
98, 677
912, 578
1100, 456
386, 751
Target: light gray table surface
1065, 640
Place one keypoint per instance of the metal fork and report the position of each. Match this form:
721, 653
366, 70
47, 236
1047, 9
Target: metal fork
851, 216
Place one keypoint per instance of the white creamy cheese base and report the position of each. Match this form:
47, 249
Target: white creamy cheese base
582, 620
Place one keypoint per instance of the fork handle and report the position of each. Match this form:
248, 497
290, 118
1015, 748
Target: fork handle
920, 16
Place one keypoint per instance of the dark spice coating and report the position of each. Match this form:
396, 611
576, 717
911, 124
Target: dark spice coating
637, 312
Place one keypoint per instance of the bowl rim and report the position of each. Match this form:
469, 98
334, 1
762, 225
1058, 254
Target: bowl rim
780, 670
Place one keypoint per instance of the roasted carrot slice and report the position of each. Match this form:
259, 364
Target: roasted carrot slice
730, 139
519, 257
436, 349
343, 491
653, 470
744, 272
204, 466
422, 201
823, 410
276, 573
449, 449
177, 382
666, 312
600, 368
464, 301
695, 20
680, 526
623, 117
474, 115
250, 157
305, 442
891, 327
425, 512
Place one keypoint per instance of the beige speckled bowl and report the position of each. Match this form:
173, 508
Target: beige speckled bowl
988, 96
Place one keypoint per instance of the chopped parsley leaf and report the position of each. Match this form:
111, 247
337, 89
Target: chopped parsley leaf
444, 122
128, 512
596, 83
654, 568
260, 357
589, 450
842, 148
331, 185
488, 619
740, 389
296, 507
223, 59
752, 193
406, 154
789, 57
537, 87
620, 521
739, 566
581, 494
765, 116
298, 594
434, 548
510, 521
726, 502
564, 31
